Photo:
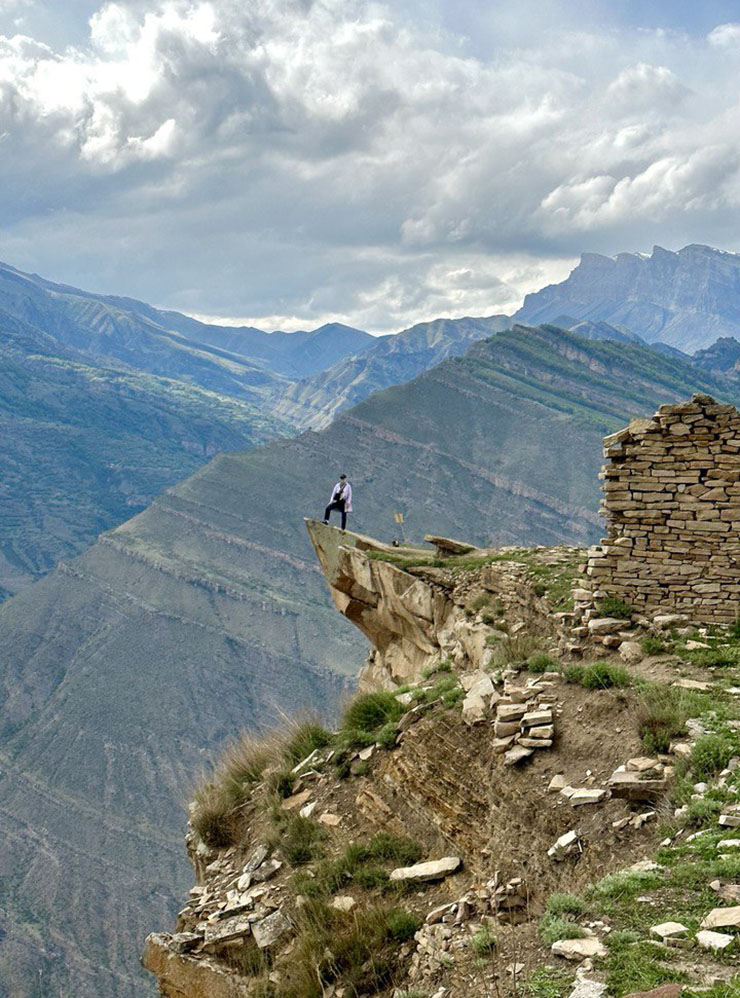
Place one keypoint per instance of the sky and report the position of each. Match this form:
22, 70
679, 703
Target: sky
289, 162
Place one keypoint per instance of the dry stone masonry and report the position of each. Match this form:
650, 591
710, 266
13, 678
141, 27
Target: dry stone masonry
672, 504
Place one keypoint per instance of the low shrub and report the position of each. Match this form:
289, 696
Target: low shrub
230, 786
484, 941
710, 755
366, 715
598, 676
548, 982
713, 658
702, 812
661, 717
565, 904
301, 840
303, 738
554, 928
611, 606
653, 645
540, 663
435, 667
357, 951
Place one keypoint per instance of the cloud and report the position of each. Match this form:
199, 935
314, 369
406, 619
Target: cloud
295, 160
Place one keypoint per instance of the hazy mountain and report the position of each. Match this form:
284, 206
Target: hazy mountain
240, 361
123, 670
721, 357
391, 360
686, 299
85, 447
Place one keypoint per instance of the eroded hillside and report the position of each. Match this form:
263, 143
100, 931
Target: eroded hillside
508, 808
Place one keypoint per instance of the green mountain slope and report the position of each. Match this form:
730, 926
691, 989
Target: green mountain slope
125, 669
391, 360
84, 447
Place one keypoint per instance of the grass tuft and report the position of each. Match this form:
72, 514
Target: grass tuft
611, 606
598, 676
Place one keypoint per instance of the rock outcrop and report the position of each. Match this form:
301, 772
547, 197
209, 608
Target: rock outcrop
414, 612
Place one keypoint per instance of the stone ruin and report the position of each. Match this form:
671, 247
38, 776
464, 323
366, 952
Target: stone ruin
672, 506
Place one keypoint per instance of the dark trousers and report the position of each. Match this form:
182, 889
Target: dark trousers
339, 506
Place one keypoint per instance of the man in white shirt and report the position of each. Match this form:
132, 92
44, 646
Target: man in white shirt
341, 500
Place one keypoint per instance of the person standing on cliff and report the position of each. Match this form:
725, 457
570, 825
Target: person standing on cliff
341, 500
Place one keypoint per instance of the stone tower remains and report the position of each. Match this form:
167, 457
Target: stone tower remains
672, 506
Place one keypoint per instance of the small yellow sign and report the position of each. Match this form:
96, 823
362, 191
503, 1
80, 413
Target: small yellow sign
398, 517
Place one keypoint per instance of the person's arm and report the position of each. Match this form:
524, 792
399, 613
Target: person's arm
348, 494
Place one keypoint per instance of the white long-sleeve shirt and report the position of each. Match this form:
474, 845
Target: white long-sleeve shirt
347, 495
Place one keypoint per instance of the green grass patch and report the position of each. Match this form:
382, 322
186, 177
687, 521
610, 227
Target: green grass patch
484, 941
548, 982
598, 676
554, 928
367, 716
300, 840
654, 645
639, 966
565, 904
610, 606
662, 714
541, 663
710, 755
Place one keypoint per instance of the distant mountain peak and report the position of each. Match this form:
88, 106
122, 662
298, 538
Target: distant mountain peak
684, 298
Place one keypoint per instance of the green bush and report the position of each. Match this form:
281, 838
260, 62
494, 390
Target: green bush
710, 755
701, 812
402, 925
484, 941
367, 715
565, 904
302, 840
653, 645
399, 848
610, 606
304, 738
540, 663
661, 717
598, 676
554, 928
713, 658
548, 982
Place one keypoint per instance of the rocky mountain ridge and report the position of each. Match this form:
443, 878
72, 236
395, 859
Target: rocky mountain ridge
687, 299
486, 827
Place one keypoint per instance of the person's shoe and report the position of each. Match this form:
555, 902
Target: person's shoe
326, 522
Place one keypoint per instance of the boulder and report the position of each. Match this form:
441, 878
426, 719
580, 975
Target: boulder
435, 869
662, 991
721, 918
477, 701
586, 987
631, 652
343, 902
267, 932
579, 949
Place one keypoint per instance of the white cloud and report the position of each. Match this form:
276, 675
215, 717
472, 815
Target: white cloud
294, 160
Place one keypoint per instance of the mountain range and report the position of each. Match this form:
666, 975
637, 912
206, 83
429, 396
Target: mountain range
126, 668
686, 299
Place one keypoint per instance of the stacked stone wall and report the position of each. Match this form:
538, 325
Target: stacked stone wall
672, 506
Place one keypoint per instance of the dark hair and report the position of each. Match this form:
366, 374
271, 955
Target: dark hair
342, 476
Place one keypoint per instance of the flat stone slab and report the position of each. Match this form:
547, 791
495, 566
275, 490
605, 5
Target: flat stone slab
588, 795
721, 918
567, 845
630, 786
716, 941
510, 711
668, 930
579, 949
517, 754
691, 684
227, 930
536, 718
435, 869
606, 625
641, 764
